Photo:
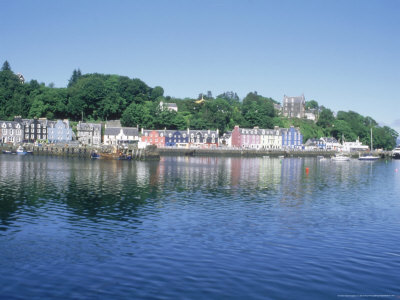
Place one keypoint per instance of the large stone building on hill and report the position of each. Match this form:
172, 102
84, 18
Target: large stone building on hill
294, 107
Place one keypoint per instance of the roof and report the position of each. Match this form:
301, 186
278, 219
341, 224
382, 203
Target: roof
87, 126
128, 131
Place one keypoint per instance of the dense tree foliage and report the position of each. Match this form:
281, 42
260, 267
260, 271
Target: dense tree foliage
99, 97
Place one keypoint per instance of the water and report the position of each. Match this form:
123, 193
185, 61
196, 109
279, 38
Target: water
198, 228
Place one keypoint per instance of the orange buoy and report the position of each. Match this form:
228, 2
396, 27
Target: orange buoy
307, 170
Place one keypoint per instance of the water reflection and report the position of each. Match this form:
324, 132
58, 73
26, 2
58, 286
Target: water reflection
116, 189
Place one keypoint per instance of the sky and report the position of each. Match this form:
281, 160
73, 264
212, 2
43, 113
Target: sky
345, 54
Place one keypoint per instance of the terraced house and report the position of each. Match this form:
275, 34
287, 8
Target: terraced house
11, 132
59, 131
35, 130
89, 133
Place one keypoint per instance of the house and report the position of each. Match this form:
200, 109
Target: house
314, 144
354, 146
177, 138
153, 137
204, 138
11, 132
271, 139
59, 131
34, 130
121, 135
256, 138
169, 106
89, 133
226, 140
294, 107
311, 114
246, 138
291, 138
329, 143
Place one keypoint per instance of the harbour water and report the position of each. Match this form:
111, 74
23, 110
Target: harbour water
198, 228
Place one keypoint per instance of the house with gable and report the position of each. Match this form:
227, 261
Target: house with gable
89, 133
177, 138
121, 135
59, 131
204, 138
153, 137
12, 132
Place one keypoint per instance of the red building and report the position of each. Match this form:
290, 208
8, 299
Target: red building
153, 137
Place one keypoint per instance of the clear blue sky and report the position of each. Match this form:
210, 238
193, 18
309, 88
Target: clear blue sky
344, 54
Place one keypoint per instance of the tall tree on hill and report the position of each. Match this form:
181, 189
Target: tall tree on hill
76, 74
6, 66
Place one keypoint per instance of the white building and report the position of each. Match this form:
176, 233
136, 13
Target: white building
121, 135
354, 146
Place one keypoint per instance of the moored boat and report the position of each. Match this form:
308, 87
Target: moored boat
369, 157
340, 157
21, 151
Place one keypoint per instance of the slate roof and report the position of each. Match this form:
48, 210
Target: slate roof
128, 131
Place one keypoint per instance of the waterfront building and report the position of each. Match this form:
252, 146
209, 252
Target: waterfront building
329, 143
314, 144
291, 138
294, 107
177, 138
204, 138
271, 139
11, 132
226, 140
59, 131
153, 137
121, 135
35, 130
354, 146
89, 133
246, 138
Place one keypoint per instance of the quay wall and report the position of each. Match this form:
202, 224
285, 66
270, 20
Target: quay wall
150, 153
232, 152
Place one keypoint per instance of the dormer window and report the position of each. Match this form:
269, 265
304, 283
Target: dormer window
184, 135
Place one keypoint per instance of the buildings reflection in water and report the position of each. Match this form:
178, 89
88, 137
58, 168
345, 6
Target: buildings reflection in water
118, 188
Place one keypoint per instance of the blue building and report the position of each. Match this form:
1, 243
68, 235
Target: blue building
176, 138
291, 138
59, 131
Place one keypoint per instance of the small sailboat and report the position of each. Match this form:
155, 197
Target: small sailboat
340, 157
369, 156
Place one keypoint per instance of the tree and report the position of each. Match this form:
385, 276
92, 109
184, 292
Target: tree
326, 118
6, 66
156, 92
312, 104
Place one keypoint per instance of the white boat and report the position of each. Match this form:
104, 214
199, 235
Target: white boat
369, 156
396, 152
340, 157
21, 151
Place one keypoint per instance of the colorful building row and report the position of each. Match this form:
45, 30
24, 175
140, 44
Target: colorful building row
267, 139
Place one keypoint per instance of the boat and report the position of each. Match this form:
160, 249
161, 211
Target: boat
369, 156
21, 151
396, 152
94, 155
6, 152
340, 157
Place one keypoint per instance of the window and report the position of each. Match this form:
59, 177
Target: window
32, 136
11, 132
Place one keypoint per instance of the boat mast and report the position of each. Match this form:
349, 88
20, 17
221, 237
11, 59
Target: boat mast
371, 140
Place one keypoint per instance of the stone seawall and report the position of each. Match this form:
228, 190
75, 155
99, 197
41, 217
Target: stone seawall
150, 153
241, 152
256, 153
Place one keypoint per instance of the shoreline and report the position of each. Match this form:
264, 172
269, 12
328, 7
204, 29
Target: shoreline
153, 153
